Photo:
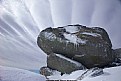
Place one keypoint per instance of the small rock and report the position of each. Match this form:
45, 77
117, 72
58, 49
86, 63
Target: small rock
46, 71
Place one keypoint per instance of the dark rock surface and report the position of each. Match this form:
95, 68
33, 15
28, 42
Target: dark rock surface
63, 64
117, 52
89, 46
117, 61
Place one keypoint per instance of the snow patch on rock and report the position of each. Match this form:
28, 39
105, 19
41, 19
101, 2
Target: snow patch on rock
74, 39
92, 34
72, 61
50, 36
72, 29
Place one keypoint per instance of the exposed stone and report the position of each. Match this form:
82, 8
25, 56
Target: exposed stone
63, 64
93, 72
117, 61
46, 71
97, 72
89, 46
117, 52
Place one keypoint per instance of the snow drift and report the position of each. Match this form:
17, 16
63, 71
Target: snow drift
14, 74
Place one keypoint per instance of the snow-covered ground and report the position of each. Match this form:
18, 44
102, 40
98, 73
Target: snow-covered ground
14, 74
110, 74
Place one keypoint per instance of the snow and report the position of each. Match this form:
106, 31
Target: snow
72, 61
92, 34
15, 74
110, 74
73, 76
56, 76
71, 29
50, 36
74, 39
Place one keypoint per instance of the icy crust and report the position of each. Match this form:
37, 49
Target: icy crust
72, 61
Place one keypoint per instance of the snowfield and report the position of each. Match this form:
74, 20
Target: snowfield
14, 74
110, 74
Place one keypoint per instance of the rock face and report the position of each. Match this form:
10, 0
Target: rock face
93, 72
117, 53
89, 46
63, 64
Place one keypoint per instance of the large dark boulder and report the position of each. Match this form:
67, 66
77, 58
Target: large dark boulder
63, 64
89, 46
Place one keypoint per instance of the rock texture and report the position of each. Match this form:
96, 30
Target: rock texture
89, 46
93, 72
63, 64
46, 71
117, 53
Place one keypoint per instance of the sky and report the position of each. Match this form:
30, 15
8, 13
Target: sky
101, 13
22, 20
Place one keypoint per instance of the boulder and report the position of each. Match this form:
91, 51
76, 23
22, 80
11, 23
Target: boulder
89, 46
63, 64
